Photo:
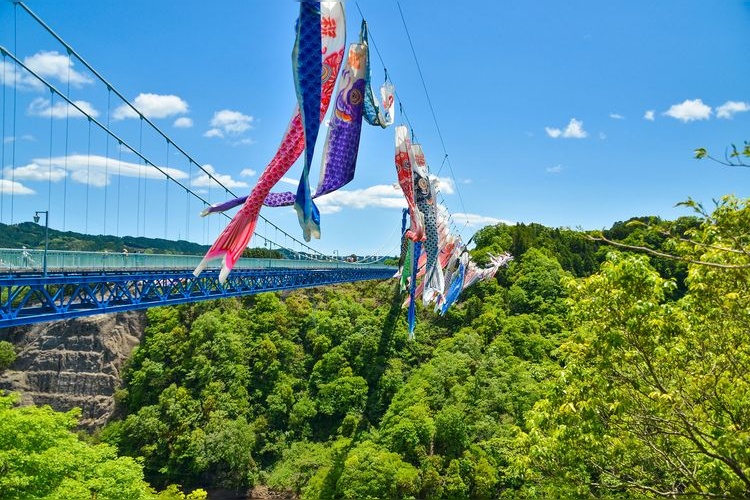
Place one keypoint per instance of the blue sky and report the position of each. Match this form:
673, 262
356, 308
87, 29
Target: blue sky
573, 114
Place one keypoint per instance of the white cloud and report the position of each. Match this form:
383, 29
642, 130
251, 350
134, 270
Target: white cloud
556, 169
12, 75
289, 180
214, 132
574, 130
183, 122
381, 195
445, 185
474, 220
247, 172
203, 180
42, 107
466, 181
36, 172
152, 106
553, 132
649, 115
689, 110
730, 108
11, 187
55, 65
46, 64
88, 169
616, 116
228, 122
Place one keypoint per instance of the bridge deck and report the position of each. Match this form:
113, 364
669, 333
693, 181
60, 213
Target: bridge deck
143, 281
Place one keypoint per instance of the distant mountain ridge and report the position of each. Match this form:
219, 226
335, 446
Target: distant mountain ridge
31, 235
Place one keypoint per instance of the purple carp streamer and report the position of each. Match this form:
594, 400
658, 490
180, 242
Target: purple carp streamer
342, 142
232, 241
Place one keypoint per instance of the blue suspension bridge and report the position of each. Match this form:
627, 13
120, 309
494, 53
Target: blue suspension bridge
104, 190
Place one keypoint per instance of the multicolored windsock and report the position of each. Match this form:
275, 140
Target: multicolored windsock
474, 273
412, 317
456, 284
404, 169
332, 33
424, 195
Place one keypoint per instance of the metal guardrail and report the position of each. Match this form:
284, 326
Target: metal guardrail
15, 261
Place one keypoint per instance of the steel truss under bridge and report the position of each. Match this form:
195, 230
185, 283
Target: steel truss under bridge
27, 299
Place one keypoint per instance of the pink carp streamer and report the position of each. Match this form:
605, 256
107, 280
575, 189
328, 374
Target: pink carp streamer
234, 239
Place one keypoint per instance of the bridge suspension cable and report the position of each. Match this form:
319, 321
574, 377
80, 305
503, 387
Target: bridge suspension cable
301, 249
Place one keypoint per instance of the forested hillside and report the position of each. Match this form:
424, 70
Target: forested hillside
583, 370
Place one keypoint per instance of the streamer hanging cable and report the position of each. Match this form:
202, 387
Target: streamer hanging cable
403, 112
432, 108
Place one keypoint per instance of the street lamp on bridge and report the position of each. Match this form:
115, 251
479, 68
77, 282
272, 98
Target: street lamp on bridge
46, 236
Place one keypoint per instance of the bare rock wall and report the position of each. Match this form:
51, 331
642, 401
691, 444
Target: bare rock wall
73, 363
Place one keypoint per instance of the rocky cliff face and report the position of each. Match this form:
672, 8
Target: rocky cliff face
74, 363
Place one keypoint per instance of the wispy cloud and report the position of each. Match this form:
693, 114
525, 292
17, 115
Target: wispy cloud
12, 187
556, 169
730, 108
616, 116
689, 110
183, 122
649, 115
474, 220
44, 108
289, 180
574, 130
247, 172
152, 106
203, 180
227, 122
242, 142
602, 136
87, 169
25, 137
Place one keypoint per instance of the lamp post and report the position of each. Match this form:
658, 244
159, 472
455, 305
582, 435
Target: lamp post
46, 236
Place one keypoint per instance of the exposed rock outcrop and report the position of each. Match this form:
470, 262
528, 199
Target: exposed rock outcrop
73, 363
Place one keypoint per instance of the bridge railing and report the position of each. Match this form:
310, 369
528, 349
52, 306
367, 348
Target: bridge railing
32, 260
